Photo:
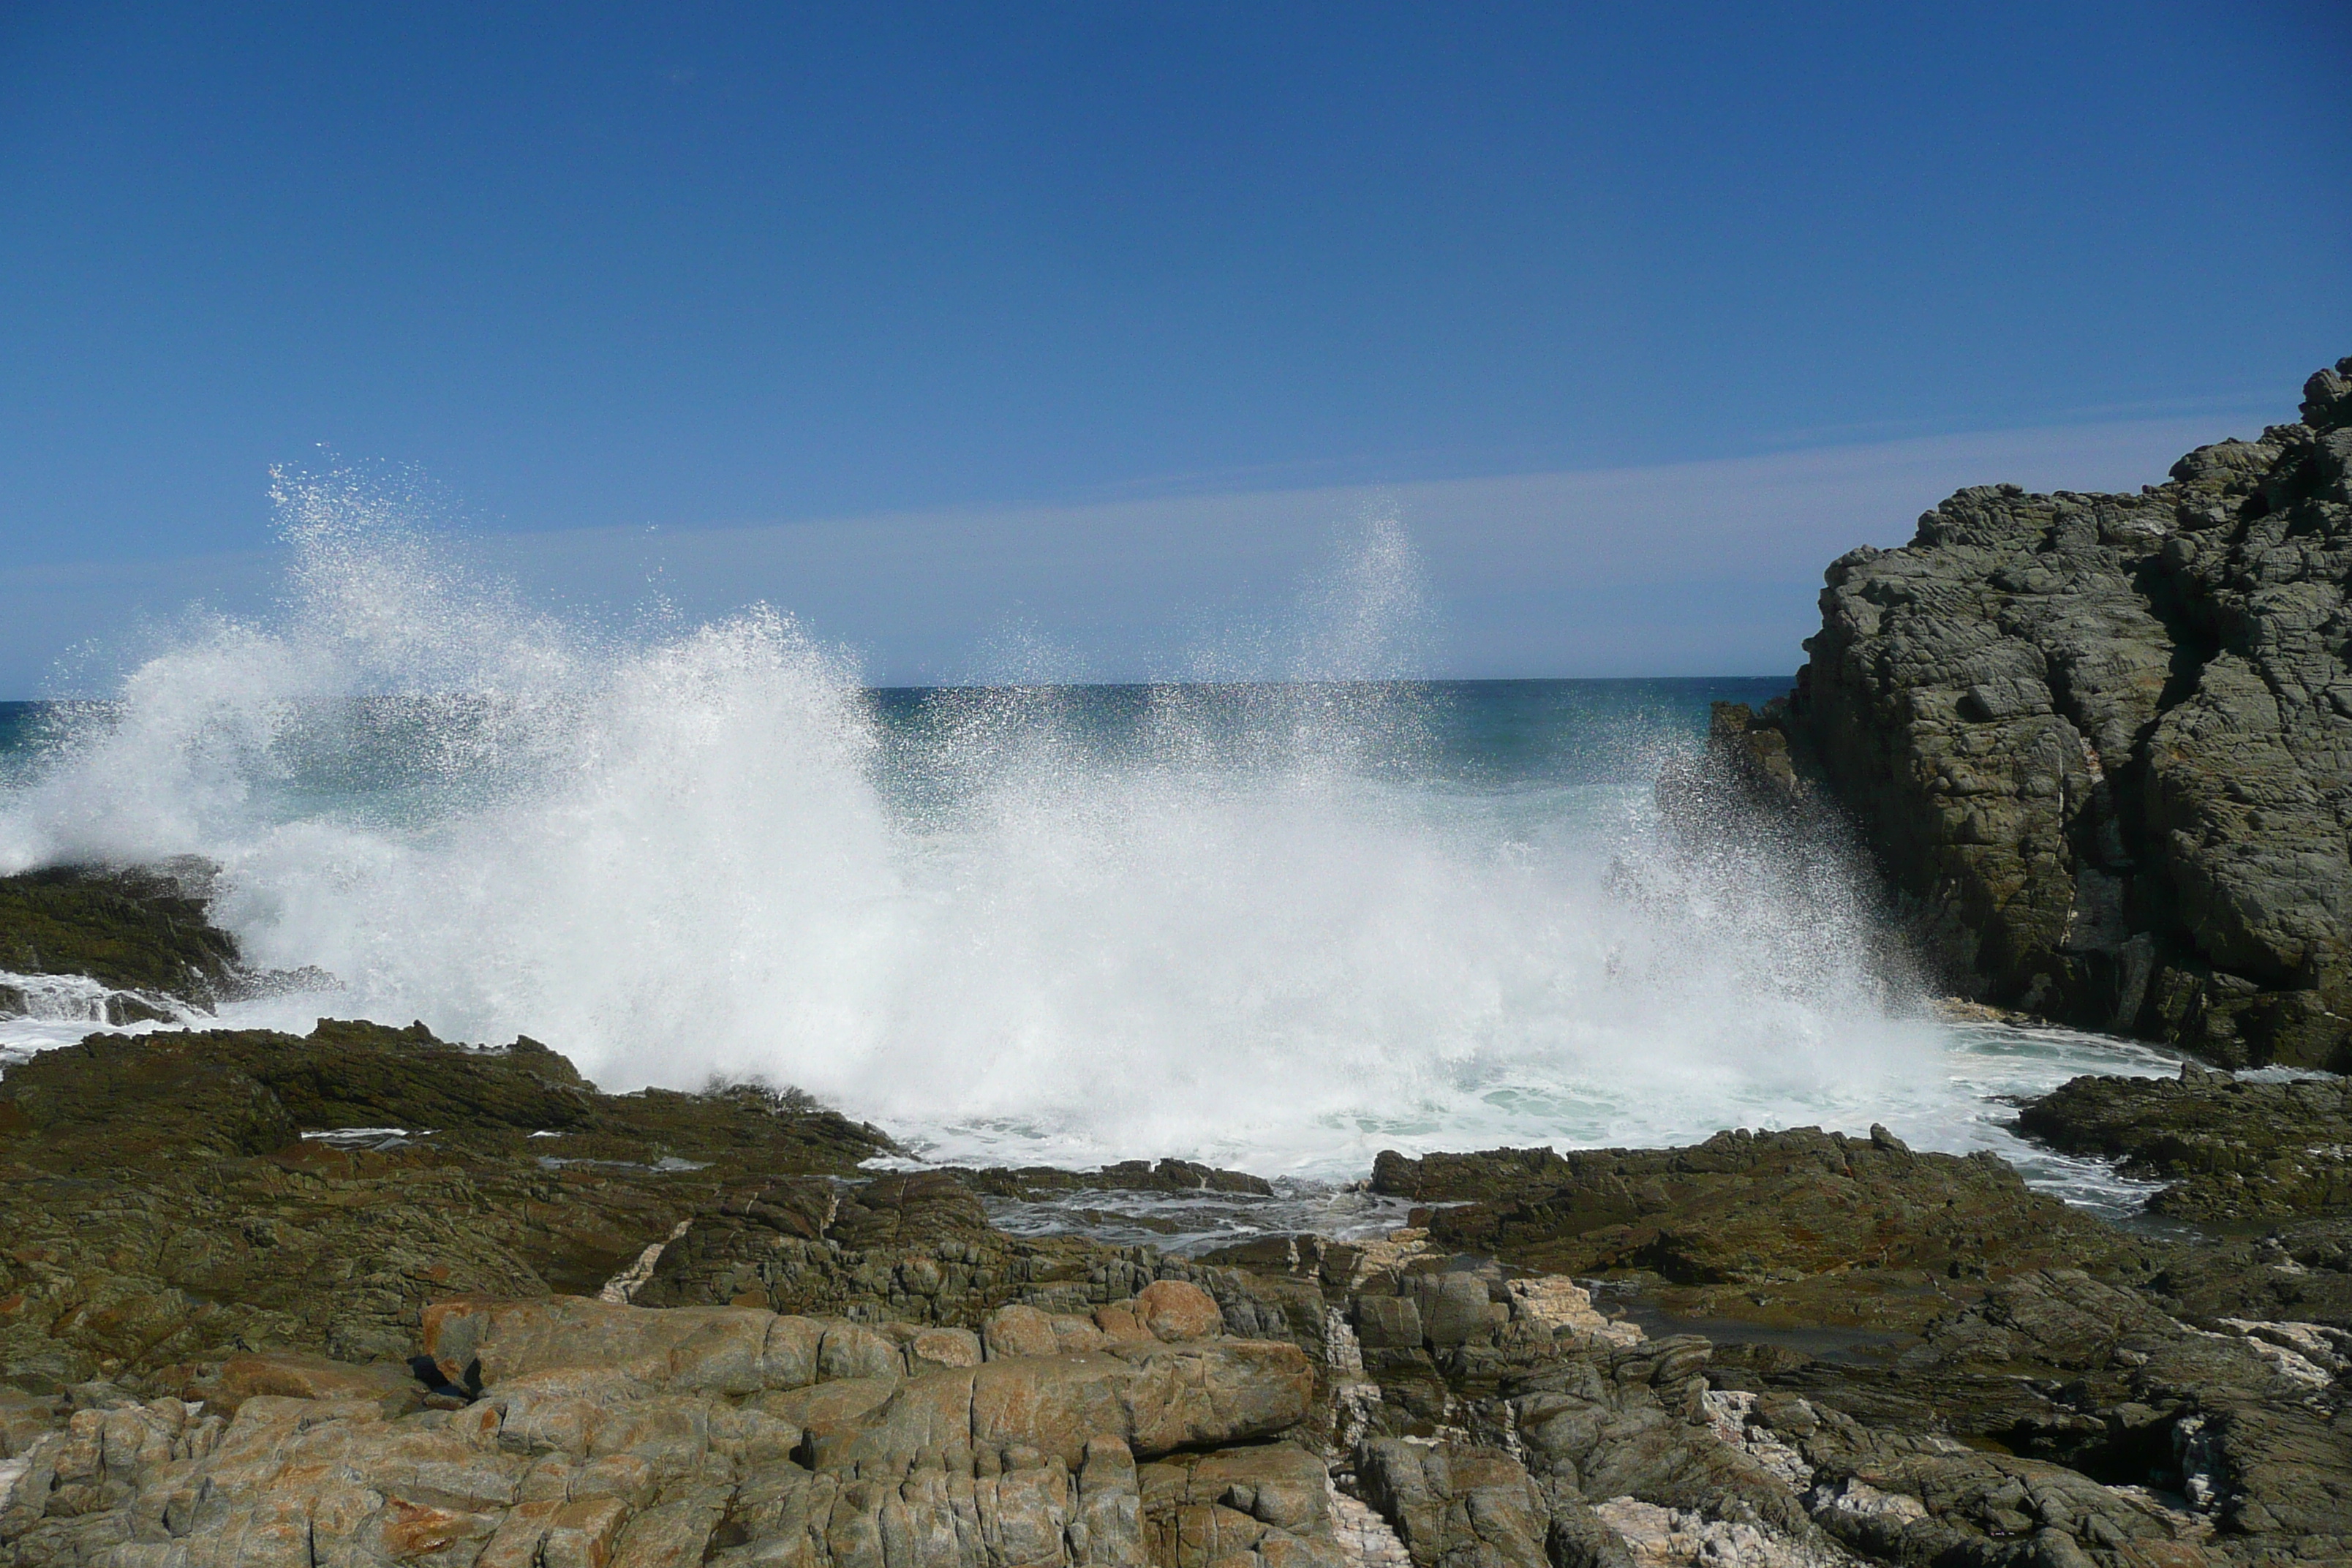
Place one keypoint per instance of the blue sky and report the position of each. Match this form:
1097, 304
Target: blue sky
772, 280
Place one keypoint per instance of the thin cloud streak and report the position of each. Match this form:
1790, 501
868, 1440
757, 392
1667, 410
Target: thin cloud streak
1694, 568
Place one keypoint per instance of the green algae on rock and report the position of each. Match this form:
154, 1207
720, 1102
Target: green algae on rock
163, 1206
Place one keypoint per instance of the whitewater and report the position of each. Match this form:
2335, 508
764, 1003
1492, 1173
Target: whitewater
1278, 911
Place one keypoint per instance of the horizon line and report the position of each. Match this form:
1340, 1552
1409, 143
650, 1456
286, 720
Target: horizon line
880, 689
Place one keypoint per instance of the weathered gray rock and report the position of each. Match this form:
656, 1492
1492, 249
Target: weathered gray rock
2102, 744
1457, 1506
1271, 1503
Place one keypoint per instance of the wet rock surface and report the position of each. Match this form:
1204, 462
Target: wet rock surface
1128, 1176
2102, 744
139, 930
2232, 1150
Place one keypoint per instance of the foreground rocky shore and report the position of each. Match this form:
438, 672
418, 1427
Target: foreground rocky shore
361, 1296
2101, 745
564, 1327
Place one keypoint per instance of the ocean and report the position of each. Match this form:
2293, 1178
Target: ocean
1276, 923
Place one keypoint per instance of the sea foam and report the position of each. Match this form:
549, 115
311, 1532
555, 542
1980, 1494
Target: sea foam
1253, 920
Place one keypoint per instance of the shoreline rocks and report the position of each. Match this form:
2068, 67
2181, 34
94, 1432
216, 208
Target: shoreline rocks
138, 934
626, 1436
2101, 745
1795, 1229
223, 1341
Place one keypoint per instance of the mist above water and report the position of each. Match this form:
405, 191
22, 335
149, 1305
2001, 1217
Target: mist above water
1279, 922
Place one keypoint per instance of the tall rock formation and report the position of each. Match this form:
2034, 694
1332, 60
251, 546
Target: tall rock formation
2102, 744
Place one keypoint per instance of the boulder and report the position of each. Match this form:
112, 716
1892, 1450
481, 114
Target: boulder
1177, 1311
1018, 1331
477, 1344
1154, 1400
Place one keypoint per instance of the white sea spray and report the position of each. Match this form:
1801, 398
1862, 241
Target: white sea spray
1252, 925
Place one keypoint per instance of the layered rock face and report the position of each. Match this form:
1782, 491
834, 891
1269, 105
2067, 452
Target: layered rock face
2102, 744
605, 1434
1461, 1416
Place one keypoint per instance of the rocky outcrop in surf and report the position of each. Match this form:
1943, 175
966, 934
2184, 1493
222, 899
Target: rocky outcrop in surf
2102, 744
2231, 1151
128, 945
